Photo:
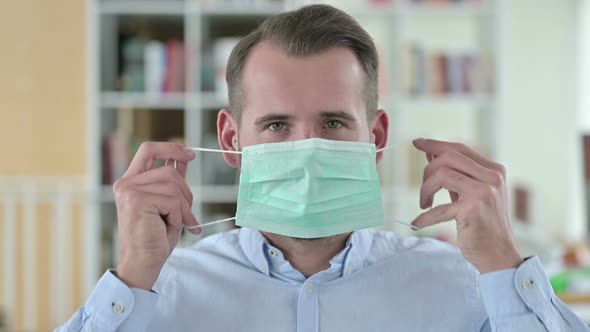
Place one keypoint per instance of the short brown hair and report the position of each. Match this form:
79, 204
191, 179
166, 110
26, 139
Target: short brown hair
308, 30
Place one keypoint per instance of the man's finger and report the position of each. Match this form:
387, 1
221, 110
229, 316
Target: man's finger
445, 178
165, 189
437, 148
174, 209
167, 207
438, 214
151, 151
460, 163
188, 218
180, 166
162, 175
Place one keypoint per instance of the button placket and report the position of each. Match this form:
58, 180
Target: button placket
307, 307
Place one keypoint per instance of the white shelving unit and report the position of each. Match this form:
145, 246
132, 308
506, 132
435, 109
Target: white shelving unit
198, 25
469, 118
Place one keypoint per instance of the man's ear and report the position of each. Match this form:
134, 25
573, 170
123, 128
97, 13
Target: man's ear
379, 131
227, 136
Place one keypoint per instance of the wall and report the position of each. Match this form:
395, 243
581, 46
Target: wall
42, 133
539, 109
42, 108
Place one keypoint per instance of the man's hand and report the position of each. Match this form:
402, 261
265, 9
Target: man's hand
478, 203
152, 206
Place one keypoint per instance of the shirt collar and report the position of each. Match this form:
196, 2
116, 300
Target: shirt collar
257, 249
252, 243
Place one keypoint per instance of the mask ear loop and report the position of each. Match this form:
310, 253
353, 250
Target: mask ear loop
215, 150
216, 221
414, 228
210, 223
391, 147
240, 152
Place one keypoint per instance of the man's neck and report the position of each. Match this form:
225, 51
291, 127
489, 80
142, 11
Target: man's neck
308, 256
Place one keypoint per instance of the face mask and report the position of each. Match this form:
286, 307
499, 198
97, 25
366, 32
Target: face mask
310, 188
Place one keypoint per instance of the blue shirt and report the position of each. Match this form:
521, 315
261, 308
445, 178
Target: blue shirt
237, 281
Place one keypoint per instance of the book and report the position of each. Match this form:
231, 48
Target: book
442, 73
586, 155
454, 76
407, 75
115, 158
439, 71
152, 66
467, 64
413, 79
443, 2
155, 65
522, 209
132, 73
174, 80
420, 80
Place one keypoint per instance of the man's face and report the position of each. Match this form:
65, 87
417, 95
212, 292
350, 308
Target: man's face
293, 98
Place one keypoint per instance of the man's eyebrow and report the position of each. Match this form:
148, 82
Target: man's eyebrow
338, 114
272, 117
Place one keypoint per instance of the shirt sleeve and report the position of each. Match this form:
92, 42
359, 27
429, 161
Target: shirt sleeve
112, 306
522, 300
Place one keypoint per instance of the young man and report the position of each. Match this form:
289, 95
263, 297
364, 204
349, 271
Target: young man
313, 264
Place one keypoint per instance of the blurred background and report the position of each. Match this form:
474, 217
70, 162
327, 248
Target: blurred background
83, 83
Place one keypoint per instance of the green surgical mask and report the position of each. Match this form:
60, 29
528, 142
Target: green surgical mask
310, 188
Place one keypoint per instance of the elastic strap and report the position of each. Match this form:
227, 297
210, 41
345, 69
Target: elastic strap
210, 223
216, 150
240, 152
391, 147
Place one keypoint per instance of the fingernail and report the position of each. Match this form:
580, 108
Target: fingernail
196, 230
190, 152
418, 140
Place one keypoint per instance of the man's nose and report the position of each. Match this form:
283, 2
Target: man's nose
306, 132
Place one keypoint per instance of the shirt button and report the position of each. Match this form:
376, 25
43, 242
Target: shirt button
347, 270
272, 252
118, 308
308, 288
264, 269
527, 284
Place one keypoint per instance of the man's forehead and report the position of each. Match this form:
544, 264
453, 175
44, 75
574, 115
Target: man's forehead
269, 55
330, 81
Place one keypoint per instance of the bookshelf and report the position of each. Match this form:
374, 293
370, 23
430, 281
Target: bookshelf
124, 114
454, 29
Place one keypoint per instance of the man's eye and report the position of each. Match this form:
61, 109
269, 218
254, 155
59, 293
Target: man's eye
333, 124
277, 126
